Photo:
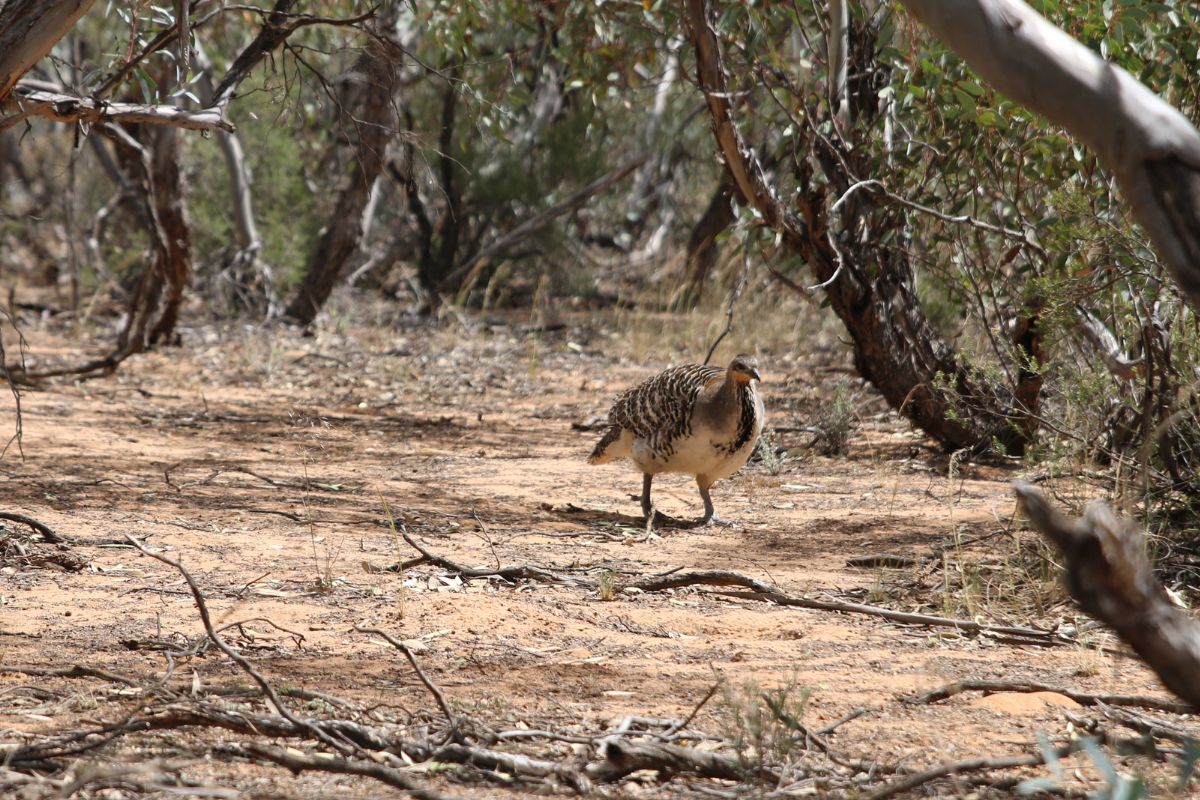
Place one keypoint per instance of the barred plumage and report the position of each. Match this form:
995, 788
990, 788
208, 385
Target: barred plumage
699, 420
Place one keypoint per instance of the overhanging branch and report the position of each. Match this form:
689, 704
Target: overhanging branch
26, 102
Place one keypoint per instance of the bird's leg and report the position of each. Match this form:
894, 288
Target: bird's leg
709, 517
647, 508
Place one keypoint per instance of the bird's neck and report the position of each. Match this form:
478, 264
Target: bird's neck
728, 395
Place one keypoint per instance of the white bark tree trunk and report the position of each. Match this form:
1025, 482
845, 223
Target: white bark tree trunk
1151, 148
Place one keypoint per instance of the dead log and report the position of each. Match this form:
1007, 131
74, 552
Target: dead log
1110, 576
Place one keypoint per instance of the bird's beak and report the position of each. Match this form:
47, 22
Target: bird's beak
753, 373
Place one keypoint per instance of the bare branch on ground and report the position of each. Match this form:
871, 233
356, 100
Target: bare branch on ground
298, 763
958, 768
758, 590
73, 671
440, 698
237, 658
44, 530
1083, 698
1152, 726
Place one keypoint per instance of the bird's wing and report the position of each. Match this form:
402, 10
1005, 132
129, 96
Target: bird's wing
660, 409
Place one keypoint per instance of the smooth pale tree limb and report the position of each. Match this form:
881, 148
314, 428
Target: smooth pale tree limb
27, 102
250, 242
29, 29
1102, 339
838, 54
1151, 148
1109, 575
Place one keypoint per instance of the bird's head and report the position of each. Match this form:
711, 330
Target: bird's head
744, 368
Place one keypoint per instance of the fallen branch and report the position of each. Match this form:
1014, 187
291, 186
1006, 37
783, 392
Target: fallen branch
155, 776
1149, 726
451, 720
1109, 575
237, 658
758, 590
1083, 698
74, 671
959, 767
762, 591
43, 529
298, 763
512, 763
522, 572
622, 757
207, 715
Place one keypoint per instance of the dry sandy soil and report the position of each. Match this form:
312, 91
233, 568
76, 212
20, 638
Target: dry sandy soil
281, 471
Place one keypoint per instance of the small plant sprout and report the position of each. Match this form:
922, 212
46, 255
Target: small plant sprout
770, 454
606, 587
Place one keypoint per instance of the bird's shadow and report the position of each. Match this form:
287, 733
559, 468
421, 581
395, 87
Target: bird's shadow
575, 513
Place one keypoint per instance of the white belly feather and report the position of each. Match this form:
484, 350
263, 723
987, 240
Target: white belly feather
705, 452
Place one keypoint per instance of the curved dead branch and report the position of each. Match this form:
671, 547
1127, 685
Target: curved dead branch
756, 590
1110, 576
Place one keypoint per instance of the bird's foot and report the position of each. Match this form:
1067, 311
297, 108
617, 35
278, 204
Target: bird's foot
661, 520
709, 521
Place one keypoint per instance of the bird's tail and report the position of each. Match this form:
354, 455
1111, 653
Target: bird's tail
600, 454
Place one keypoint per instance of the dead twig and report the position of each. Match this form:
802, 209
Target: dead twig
683, 723
733, 298
297, 637
246, 666
518, 573
833, 726
451, 720
1083, 698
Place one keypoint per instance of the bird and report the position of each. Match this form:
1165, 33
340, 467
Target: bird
694, 419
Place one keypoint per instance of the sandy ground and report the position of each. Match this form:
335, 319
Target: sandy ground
278, 469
